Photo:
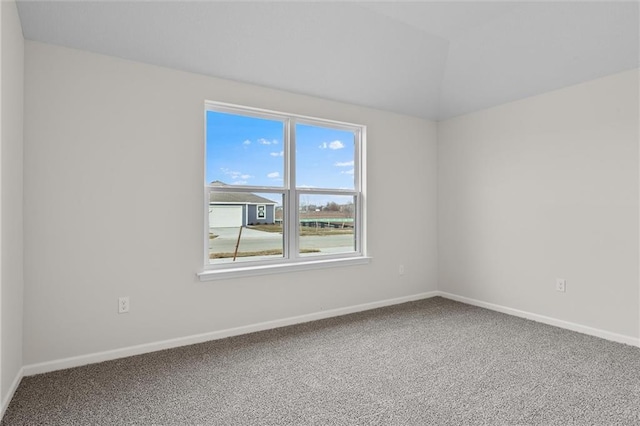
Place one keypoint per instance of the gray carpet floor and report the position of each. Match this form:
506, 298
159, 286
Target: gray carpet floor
431, 362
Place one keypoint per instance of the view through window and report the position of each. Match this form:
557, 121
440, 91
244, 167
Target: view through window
280, 187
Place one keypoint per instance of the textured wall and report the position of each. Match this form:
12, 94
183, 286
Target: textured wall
540, 189
11, 265
106, 139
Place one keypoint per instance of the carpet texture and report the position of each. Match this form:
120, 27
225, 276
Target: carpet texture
431, 362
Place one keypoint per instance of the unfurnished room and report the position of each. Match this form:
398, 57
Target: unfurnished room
319, 213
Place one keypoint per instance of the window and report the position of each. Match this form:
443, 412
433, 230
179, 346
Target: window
281, 190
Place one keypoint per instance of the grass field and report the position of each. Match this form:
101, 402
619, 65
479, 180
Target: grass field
273, 252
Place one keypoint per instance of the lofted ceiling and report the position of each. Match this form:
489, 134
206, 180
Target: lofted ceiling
428, 59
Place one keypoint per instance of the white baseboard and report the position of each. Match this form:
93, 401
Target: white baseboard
607, 335
12, 390
81, 360
78, 361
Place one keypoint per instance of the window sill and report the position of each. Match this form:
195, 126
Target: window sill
248, 271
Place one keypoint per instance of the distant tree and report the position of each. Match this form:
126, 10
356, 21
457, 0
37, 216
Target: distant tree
304, 204
332, 206
348, 208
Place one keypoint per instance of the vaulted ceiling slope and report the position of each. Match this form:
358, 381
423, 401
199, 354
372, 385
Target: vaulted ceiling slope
432, 60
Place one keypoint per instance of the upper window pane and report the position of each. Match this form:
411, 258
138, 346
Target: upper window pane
324, 157
244, 150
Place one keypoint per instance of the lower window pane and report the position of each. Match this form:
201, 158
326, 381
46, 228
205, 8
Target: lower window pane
327, 224
245, 226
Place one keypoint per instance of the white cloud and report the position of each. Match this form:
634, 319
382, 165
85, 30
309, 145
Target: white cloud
246, 142
239, 182
344, 164
273, 175
263, 141
277, 154
347, 172
236, 175
331, 145
306, 186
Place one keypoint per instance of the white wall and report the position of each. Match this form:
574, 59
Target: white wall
529, 191
107, 140
540, 189
11, 265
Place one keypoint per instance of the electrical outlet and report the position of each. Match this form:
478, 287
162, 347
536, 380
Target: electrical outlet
123, 305
401, 269
561, 285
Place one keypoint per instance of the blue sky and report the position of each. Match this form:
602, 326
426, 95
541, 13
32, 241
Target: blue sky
249, 151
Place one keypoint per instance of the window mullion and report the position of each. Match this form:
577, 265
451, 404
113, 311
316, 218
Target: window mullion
292, 219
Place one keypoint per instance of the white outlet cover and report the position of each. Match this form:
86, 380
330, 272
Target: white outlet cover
123, 305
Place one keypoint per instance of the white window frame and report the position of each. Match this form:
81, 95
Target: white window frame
291, 260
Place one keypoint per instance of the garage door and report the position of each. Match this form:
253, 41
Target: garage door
225, 216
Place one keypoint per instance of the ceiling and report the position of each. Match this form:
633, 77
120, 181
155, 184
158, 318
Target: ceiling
428, 59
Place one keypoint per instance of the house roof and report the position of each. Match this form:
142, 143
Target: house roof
235, 197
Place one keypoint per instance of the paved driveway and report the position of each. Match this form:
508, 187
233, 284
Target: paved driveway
247, 233
254, 240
